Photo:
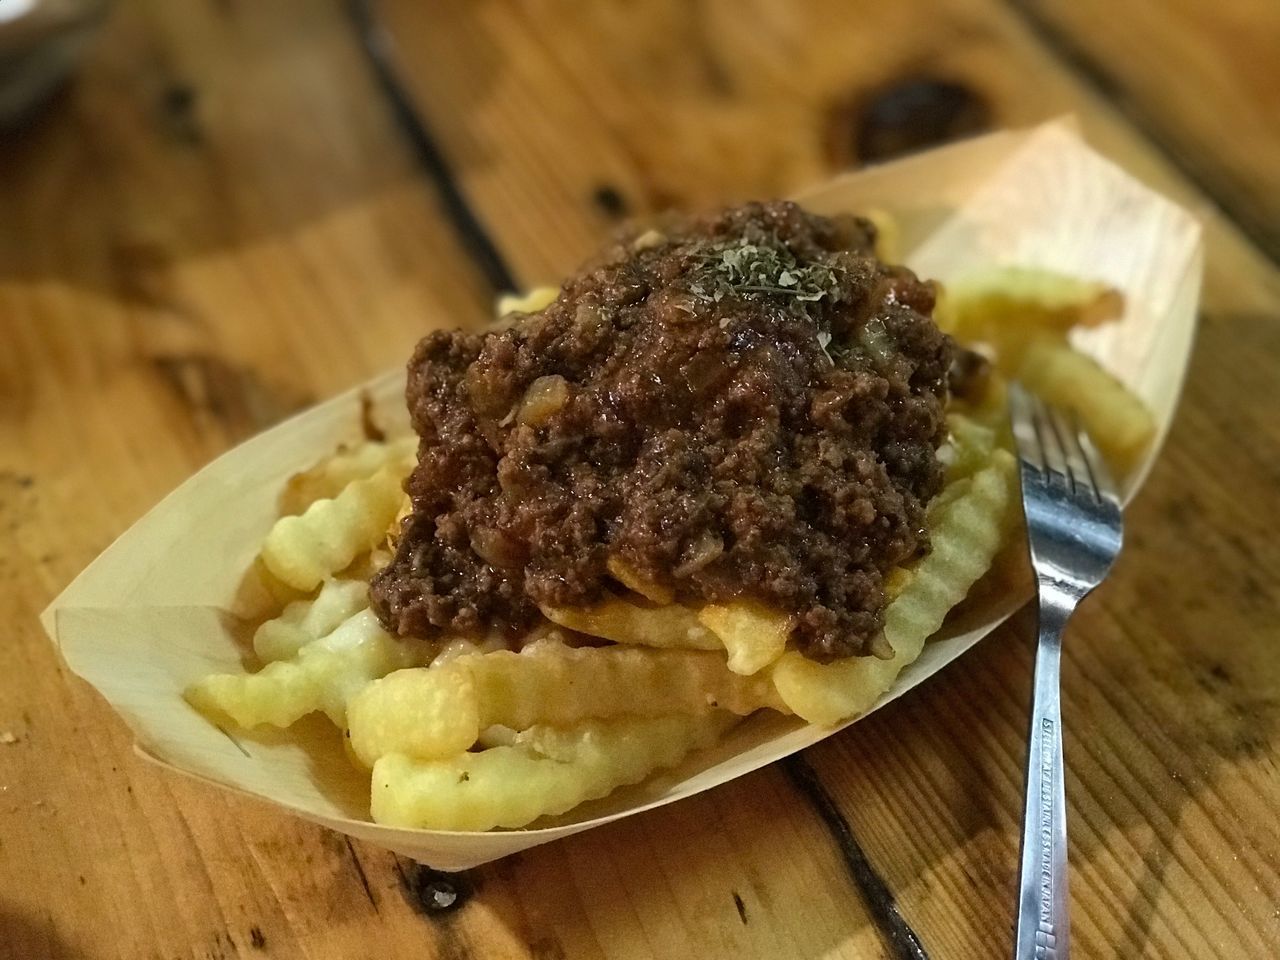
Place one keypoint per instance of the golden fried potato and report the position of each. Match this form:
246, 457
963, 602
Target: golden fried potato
544, 772
302, 550
632, 579
324, 674
424, 712
1009, 307
966, 532
624, 622
1117, 421
546, 683
330, 476
310, 619
539, 298
754, 635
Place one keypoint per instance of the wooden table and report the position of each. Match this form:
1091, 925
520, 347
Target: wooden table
235, 211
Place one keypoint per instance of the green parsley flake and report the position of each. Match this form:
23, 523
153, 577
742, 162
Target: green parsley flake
742, 267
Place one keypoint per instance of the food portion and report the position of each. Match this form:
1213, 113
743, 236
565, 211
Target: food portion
734, 464
1021, 317
743, 405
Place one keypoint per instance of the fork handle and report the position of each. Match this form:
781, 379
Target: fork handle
1042, 931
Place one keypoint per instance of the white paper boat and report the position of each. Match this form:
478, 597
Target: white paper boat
165, 604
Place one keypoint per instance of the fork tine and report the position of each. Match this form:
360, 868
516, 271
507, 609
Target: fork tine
1102, 482
1068, 431
1055, 460
1024, 431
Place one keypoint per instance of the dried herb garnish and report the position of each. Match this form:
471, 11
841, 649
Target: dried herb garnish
742, 267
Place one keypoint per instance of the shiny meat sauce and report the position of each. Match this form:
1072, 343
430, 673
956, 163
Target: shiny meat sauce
747, 404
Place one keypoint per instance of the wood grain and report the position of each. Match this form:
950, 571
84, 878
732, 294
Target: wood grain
946, 853
225, 219
1199, 78
697, 104
218, 224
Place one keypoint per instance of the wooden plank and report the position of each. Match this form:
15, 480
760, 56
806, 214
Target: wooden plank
1199, 78
217, 225
543, 106
693, 106
260, 238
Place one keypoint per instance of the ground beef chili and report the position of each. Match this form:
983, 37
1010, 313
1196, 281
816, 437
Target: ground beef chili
745, 404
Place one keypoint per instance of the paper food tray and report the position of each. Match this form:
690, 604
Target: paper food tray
165, 604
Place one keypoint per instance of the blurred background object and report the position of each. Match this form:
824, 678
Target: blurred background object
40, 43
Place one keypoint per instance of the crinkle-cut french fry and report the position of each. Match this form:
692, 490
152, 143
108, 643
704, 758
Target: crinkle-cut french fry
954, 490
624, 622
305, 620
393, 531
1072, 300
990, 410
330, 476
971, 446
280, 592
632, 579
1118, 422
896, 580
539, 298
974, 304
451, 650
546, 683
324, 675
305, 549
564, 744
365, 565
754, 635
888, 234
496, 735
1010, 307
426, 713
457, 647
545, 772
551, 683
965, 532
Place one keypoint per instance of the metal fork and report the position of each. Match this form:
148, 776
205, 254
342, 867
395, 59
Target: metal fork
1074, 530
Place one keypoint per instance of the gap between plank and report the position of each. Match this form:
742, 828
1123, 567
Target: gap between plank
902, 939
476, 239
364, 880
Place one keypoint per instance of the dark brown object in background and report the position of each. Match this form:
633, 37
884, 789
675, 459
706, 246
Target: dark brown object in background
41, 42
902, 117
